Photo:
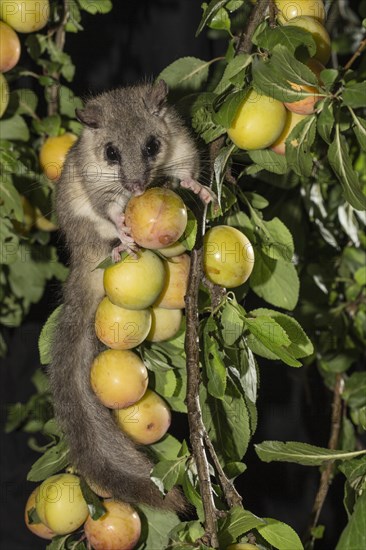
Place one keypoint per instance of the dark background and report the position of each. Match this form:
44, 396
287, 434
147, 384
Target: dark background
137, 40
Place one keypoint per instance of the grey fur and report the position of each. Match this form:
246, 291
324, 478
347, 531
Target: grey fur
90, 196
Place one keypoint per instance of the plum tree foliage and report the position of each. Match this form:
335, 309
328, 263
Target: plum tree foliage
303, 211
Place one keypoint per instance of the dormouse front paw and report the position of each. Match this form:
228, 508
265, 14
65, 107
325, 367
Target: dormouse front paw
205, 193
127, 243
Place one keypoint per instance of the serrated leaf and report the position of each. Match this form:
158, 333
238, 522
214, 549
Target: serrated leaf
273, 337
354, 534
280, 535
298, 145
276, 281
300, 453
187, 74
17, 413
236, 523
54, 459
46, 336
273, 77
354, 392
269, 160
341, 163
27, 101
300, 345
289, 37
354, 94
14, 128
95, 505
209, 12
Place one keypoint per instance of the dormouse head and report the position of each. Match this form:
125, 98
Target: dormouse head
127, 134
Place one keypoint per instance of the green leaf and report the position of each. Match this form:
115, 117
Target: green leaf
220, 21
273, 337
277, 243
235, 66
68, 102
289, 37
14, 128
26, 100
354, 534
280, 535
232, 323
187, 74
298, 145
46, 336
209, 12
95, 6
300, 345
58, 542
227, 112
49, 125
95, 505
213, 361
156, 526
188, 238
167, 448
325, 122
269, 160
341, 163
354, 392
272, 77
10, 204
236, 523
276, 281
220, 164
54, 459
227, 422
360, 276
355, 472
359, 129
354, 94
17, 413
167, 473
301, 453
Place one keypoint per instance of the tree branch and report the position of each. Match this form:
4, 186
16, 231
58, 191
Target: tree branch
326, 476
196, 427
232, 497
60, 43
357, 53
256, 17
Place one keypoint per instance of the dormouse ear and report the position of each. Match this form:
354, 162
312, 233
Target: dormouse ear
90, 116
156, 100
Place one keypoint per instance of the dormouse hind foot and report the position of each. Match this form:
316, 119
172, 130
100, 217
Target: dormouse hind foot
205, 193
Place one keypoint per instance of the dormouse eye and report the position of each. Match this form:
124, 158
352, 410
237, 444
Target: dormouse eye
112, 154
152, 146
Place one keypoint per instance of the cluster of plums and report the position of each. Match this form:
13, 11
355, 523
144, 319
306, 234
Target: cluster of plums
262, 121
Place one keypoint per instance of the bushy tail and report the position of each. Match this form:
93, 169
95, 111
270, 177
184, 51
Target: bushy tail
99, 450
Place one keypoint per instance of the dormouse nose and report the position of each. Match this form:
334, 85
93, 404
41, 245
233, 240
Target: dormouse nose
136, 187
